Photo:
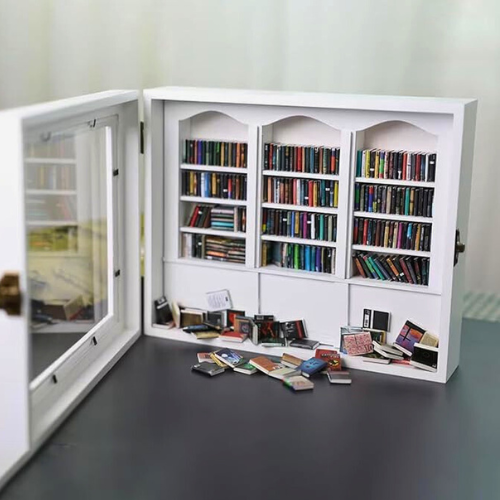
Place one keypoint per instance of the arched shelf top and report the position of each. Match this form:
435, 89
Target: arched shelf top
302, 129
212, 115
399, 134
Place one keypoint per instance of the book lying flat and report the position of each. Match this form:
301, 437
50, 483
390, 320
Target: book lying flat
298, 383
264, 364
207, 368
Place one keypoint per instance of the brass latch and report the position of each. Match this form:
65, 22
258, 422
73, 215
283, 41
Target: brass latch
459, 247
10, 294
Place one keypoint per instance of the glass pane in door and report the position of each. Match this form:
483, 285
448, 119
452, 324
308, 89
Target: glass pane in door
68, 178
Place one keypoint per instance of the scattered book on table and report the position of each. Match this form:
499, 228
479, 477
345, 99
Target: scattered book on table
298, 383
409, 335
229, 357
312, 366
204, 357
331, 357
291, 361
245, 367
375, 357
284, 372
339, 377
305, 343
264, 364
207, 368
218, 362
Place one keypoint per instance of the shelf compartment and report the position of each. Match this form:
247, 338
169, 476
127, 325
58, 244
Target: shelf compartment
300, 208
299, 175
395, 217
214, 168
213, 201
213, 232
300, 241
396, 251
395, 182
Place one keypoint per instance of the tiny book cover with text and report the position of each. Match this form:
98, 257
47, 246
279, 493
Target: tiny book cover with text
312, 366
331, 357
409, 335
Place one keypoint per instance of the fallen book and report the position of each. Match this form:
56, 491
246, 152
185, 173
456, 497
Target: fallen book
204, 357
375, 357
207, 368
409, 335
305, 343
264, 364
425, 357
291, 361
284, 372
246, 368
209, 334
228, 357
218, 362
331, 357
387, 351
230, 336
312, 366
342, 377
298, 383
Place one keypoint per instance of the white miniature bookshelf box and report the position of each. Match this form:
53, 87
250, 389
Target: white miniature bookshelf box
342, 203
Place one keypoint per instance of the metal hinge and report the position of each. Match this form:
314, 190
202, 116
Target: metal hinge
141, 132
115, 173
10, 294
117, 273
459, 246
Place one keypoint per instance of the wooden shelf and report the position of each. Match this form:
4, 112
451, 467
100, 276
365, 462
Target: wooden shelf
395, 251
213, 201
213, 168
396, 217
213, 232
51, 161
297, 273
52, 192
193, 261
396, 182
300, 175
300, 208
395, 285
300, 241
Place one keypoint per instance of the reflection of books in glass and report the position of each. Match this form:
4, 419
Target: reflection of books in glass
312, 366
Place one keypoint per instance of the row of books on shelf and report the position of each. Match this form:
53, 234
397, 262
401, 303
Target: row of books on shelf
53, 239
51, 177
215, 153
63, 148
397, 268
218, 217
304, 225
392, 234
393, 200
401, 165
312, 193
40, 208
293, 158
214, 185
201, 246
299, 257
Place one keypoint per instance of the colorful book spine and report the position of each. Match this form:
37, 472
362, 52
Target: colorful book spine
303, 225
299, 257
215, 153
397, 268
398, 200
396, 165
304, 192
298, 158
201, 246
392, 234
214, 185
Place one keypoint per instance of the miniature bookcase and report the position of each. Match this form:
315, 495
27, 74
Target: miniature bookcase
310, 207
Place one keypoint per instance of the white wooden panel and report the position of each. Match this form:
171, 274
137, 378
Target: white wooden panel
14, 352
322, 305
217, 126
187, 284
